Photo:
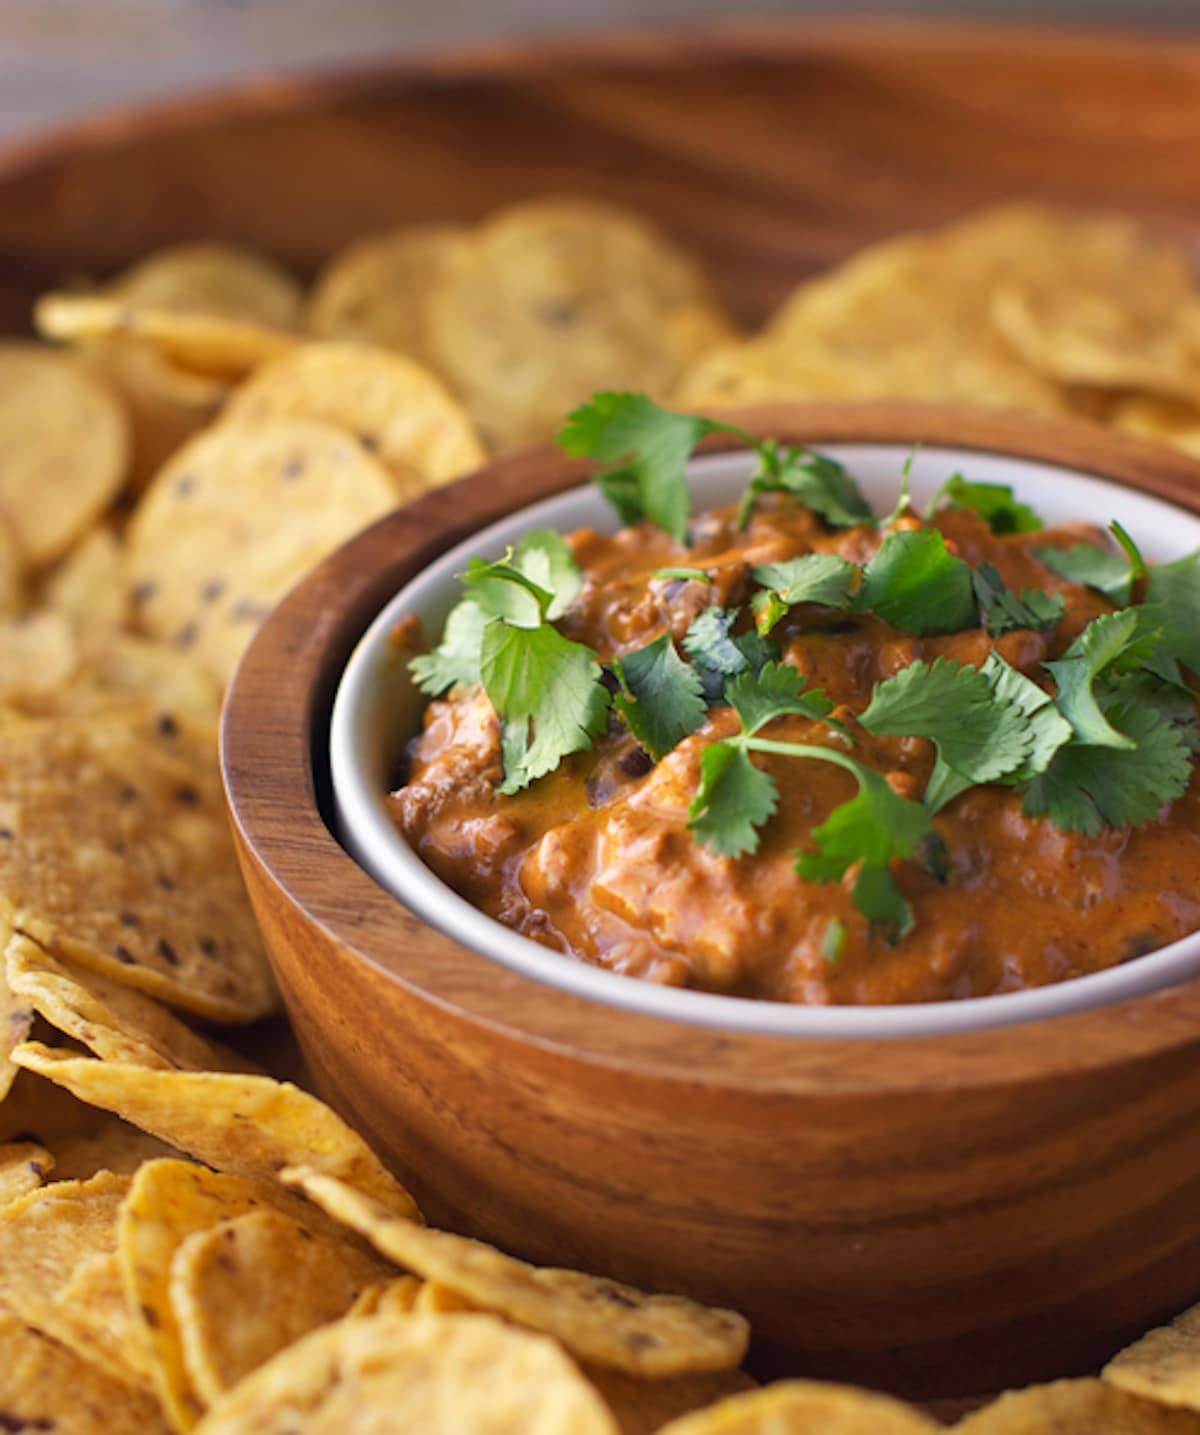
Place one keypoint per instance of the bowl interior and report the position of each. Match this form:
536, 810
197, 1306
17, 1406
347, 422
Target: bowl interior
378, 709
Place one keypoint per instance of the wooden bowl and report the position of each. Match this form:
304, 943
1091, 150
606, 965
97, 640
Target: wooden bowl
937, 1216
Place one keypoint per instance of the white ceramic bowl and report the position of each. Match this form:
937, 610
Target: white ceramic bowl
377, 710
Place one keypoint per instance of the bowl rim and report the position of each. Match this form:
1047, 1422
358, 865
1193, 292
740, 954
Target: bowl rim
367, 830
274, 738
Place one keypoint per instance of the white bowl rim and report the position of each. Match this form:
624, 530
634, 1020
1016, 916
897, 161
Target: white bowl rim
367, 831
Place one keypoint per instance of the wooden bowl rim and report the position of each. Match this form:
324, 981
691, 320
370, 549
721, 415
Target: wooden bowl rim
274, 734
768, 38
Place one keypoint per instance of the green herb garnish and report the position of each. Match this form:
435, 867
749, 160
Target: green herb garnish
821, 578
661, 697
917, 585
1004, 612
993, 502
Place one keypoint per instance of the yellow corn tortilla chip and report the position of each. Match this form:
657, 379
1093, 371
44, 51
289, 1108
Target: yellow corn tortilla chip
212, 279
115, 854
169, 1201
796, 1407
36, 1110
164, 403
553, 300
126, 672
92, 1316
39, 658
44, 1237
376, 290
117, 1023
24, 1165
1164, 1365
596, 1319
16, 1019
108, 1144
643, 1407
246, 1289
64, 443
440, 1375
1163, 420
248, 1125
1077, 1407
236, 517
207, 344
45, 1387
433, 1298
393, 406
88, 589
394, 1297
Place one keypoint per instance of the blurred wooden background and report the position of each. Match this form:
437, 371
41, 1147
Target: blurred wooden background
61, 58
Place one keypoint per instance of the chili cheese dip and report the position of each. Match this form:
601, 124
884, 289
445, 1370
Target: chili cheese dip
793, 751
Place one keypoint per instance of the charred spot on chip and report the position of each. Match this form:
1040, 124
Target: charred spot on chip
185, 486
557, 313
123, 954
127, 794
369, 442
167, 952
167, 726
187, 635
293, 469
212, 590
129, 919
245, 610
187, 795
143, 592
208, 946
165, 882
6, 834
150, 1316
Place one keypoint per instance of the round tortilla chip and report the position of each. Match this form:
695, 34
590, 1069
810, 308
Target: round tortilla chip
167, 1202
245, 1124
393, 406
165, 404
213, 279
116, 1022
45, 1387
1164, 1365
207, 344
64, 450
798, 1407
234, 519
115, 854
88, 589
247, 1288
1076, 1407
441, 1375
596, 1319
24, 1165
553, 300
376, 290
131, 671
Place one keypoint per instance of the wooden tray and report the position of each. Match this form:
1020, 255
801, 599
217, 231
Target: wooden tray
773, 148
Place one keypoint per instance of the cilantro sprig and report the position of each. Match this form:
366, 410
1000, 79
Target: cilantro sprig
995, 503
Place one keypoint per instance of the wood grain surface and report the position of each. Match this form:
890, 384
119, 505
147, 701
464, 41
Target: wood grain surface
936, 1216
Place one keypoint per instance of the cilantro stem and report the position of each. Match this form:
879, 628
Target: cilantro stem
797, 749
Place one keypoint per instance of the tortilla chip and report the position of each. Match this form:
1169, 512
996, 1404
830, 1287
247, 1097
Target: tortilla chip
643, 1407
93, 1317
169, 1201
1076, 1407
24, 1165
118, 1023
596, 1319
396, 409
248, 1125
16, 1019
44, 1387
376, 290
88, 589
796, 1407
212, 279
440, 1375
44, 1237
246, 1289
165, 404
553, 300
1164, 1365
1163, 420
234, 519
433, 1298
115, 854
37, 1110
394, 1297
39, 657
65, 443
108, 1145
132, 670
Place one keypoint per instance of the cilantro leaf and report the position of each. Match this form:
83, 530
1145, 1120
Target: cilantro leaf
776, 691
917, 585
1173, 592
995, 503
1086, 787
872, 830
718, 653
1115, 641
1004, 612
662, 699
455, 660
501, 590
1048, 729
822, 578
647, 449
978, 736
817, 481
547, 693
544, 556
733, 801
1108, 573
